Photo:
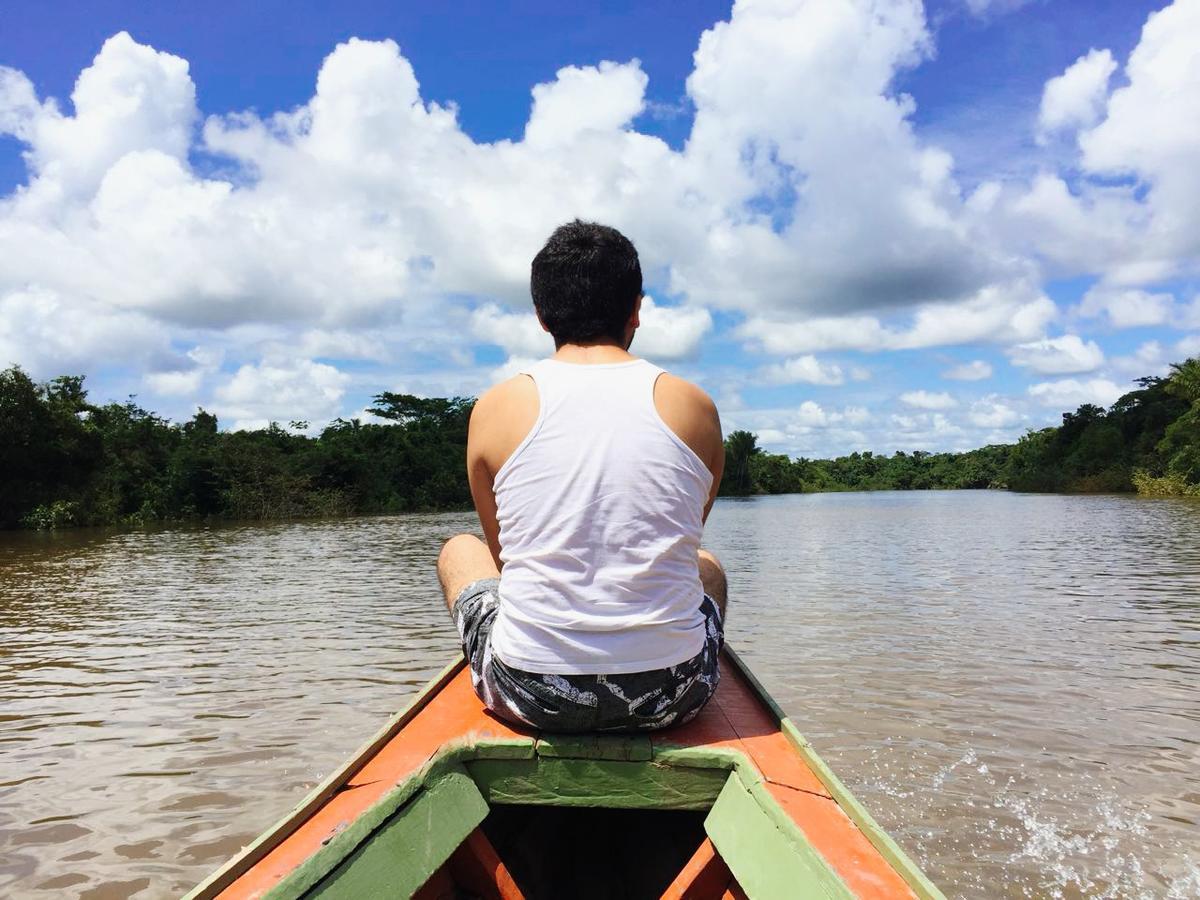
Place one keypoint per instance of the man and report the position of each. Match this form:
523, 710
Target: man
591, 606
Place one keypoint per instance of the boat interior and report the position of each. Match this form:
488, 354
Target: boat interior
537, 852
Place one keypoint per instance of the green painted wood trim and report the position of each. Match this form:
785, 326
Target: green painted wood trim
399, 856
859, 815
276, 834
767, 861
596, 782
627, 747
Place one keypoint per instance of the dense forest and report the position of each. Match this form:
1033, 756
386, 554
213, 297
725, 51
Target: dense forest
1149, 441
65, 461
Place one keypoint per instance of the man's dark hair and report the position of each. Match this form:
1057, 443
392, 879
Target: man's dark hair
585, 283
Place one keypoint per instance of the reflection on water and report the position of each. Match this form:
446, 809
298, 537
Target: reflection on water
1009, 682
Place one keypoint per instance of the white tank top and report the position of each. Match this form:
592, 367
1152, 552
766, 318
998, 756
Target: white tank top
601, 511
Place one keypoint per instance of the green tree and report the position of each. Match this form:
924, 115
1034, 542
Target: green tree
740, 448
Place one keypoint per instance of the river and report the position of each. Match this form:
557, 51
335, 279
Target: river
1011, 683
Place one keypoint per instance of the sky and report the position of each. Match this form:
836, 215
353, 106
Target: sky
864, 224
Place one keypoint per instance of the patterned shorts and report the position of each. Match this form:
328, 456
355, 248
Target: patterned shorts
638, 701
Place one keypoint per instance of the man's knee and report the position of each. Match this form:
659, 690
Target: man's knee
455, 548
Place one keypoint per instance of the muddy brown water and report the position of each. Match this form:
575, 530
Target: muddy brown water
1011, 683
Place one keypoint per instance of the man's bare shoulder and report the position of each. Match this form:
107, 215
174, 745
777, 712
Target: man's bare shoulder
685, 393
501, 398
503, 415
691, 413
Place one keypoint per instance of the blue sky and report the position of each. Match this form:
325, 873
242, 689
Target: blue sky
866, 224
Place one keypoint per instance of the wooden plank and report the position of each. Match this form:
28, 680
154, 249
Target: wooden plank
278, 833
627, 747
769, 863
478, 868
408, 848
596, 782
704, 877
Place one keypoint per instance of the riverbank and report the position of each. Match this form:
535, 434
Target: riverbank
67, 462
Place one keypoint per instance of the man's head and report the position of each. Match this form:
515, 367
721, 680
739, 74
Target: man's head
586, 283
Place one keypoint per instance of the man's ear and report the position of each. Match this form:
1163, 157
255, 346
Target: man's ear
636, 319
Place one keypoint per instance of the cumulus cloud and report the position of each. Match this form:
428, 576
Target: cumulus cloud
1058, 356
49, 333
670, 332
975, 370
806, 369
282, 390
1075, 99
992, 412
804, 206
667, 333
1132, 216
1069, 393
1129, 308
928, 400
999, 314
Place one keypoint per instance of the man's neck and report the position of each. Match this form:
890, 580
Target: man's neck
593, 354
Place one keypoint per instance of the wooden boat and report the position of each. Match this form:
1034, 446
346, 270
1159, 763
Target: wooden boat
448, 801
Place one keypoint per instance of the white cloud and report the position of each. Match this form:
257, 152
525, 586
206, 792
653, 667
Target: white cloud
175, 384
1129, 308
1149, 358
975, 370
1067, 394
1001, 314
1075, 99
806, 368
928, 400
666, 333
600, 99
366, 224
50, 334
810, 415
1187, 347
670, 332
1133, 216
282, 391
519, 333
992, 412
1064, 355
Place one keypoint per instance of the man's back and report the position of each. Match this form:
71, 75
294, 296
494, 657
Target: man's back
600, 509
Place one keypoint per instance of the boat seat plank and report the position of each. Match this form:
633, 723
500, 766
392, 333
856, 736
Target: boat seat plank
455, 714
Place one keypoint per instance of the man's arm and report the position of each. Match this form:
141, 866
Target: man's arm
479, 473
501, 419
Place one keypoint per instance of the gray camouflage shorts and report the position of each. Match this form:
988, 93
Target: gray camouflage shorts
637, 701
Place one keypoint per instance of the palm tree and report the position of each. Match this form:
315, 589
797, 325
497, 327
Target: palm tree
740, 446
1184, 381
